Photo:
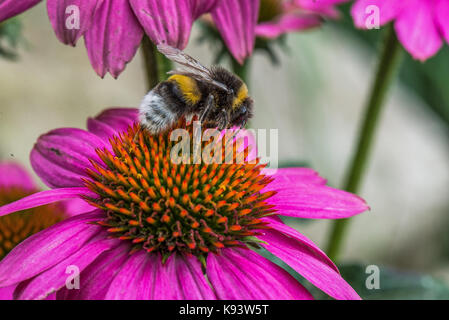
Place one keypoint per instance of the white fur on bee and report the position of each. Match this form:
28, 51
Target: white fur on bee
154, 114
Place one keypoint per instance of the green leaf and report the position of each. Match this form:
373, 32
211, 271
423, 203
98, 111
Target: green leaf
10, 38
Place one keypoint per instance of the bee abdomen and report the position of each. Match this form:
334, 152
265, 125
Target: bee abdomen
154, 114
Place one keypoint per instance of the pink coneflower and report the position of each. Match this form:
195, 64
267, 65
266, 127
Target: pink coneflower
113, 29
421, 25
16, 183
278, 17
159, 229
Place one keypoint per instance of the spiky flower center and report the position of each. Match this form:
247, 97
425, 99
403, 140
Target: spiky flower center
16, 227
165, 207
269, 10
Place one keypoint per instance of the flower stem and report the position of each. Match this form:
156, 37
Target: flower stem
156, 64
389, 63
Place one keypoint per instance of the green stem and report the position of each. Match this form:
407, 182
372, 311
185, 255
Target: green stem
156, 64
388, 65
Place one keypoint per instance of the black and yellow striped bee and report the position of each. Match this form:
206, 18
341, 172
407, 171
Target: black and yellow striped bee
218, 97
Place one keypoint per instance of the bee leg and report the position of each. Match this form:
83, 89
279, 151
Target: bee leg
223, 124
209, 105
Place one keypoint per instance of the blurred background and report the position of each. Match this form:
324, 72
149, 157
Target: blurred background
315, 98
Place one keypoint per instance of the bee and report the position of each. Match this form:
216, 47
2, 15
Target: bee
216, 96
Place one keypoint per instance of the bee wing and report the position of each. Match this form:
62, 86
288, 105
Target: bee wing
190, 66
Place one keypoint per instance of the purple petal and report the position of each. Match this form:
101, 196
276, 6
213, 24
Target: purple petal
236, 21
314, 201
110, 122
287, 23
54, 278
303, 258
47, 248
168, 21
10, 8
200, 7
97, 277
42, 198
362, 11
417, 30
239, 274
61, 157
73, 207
442, 17
187, 279
113, 38
324, 8
71, 18
12, 174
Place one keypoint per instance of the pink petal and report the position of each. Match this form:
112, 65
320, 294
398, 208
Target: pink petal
304, 260
187, 279
6, 293
200, 7
442, 17
113, 38
111, 122
62, 17
54, 278
288, 177
168, 21
239, 274
12, 174
316, 202
73, 207
362, 12
97, 277
42, 198
10, 8
236, 21
322, 7
61, 157
417, 30
287, 23
47, 248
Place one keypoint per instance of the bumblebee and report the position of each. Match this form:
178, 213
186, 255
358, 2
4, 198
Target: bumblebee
216, 96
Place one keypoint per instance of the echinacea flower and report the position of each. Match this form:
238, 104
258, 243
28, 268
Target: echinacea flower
113, 29
420, 25
277, 17
161, 230
16, 183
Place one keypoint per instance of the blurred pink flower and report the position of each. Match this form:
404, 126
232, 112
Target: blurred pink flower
284, 16
16, 183
421, 25
113, 29
174, 219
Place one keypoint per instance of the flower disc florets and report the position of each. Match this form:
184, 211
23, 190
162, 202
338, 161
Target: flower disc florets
165, 207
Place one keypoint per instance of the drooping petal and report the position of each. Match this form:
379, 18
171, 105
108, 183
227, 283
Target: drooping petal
54, 278
38, 252
113, 38
239, 274
42, 198
236, 21
277, 224
303, 259
200, 7
442, 17
285, 178
324, 8
97, 277
70, 19
417, 30
168, 21
61, 156
133, 274
6, 293
187, 279
12, 174
363, 11
287, 23
111, 122
316, 202
10, 8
